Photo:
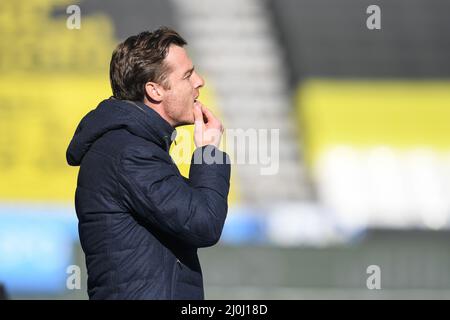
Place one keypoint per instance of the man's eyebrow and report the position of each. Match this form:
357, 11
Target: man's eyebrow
189, 72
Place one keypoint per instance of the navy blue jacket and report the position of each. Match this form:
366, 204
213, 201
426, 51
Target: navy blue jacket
140, 221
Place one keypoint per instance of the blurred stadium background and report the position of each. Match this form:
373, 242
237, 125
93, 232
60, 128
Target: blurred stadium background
364, 154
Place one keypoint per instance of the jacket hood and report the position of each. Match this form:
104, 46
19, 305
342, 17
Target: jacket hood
112, 114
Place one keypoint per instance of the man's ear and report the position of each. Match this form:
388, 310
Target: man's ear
154, 91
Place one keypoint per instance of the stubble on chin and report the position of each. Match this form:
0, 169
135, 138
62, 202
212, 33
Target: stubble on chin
187, 120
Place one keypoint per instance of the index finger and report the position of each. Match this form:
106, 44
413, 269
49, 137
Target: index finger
209, 115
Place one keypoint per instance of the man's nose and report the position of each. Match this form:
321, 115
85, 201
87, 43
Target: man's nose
199, 81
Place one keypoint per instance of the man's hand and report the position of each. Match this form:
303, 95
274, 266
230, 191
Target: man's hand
208, 129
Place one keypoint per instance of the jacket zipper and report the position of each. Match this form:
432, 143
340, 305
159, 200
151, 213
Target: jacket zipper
177, 265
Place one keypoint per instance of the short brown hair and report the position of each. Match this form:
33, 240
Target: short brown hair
138, 60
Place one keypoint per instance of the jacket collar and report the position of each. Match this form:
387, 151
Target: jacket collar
113, 114
160, 130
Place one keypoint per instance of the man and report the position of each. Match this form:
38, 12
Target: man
140, 221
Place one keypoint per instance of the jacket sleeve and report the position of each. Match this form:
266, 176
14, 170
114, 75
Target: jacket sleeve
193, 210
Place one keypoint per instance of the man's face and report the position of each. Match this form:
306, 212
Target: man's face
184, 85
